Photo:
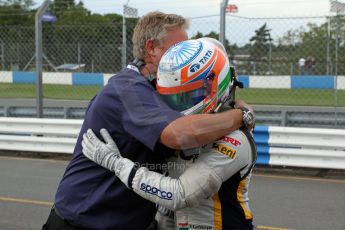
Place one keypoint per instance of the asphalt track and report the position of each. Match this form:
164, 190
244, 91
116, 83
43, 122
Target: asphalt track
279, 202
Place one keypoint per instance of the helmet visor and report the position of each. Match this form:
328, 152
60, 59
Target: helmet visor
185, 100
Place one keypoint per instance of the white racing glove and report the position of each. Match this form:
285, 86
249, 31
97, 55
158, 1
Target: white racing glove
106, 154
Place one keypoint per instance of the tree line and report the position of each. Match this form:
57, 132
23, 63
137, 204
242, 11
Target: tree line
96, 40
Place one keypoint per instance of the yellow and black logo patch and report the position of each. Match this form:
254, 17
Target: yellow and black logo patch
226, 150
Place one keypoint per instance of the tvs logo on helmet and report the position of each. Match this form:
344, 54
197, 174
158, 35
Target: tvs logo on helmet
194, 68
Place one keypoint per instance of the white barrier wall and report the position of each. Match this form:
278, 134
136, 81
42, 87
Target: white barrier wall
341, 83
6, 77
57, 78
270, 82
106, 77
267, 82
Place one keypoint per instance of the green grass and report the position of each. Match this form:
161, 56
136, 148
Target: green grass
310, 97
49, 91
307, 97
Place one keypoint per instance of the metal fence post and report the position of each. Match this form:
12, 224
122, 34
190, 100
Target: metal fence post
339, 7
129, 12
2, 55
222, 21
124, 37
328, 60
79, 54
39, 54
336, 68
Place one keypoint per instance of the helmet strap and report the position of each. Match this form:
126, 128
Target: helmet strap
139, 63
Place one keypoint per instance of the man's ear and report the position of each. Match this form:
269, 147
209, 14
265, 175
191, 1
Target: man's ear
149, 45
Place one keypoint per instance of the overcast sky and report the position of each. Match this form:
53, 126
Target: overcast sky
197, 8
284, 15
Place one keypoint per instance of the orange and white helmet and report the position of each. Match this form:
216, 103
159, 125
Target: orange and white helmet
194, 76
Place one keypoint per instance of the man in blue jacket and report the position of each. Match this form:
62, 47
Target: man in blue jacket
91, 197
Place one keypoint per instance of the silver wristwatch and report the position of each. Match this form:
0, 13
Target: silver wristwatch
248, 117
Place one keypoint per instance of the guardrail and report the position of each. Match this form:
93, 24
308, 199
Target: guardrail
277, 146
300, 147
39, 135
270, 115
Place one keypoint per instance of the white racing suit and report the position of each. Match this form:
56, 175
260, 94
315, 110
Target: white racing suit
209, 192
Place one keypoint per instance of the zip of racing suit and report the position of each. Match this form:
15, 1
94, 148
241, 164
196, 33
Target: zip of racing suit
193, 195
